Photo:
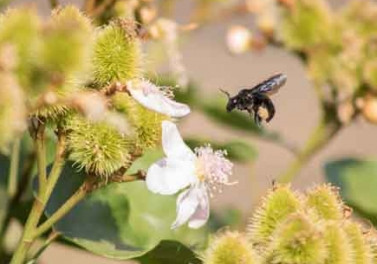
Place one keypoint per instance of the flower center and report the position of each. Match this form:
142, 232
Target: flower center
212, 168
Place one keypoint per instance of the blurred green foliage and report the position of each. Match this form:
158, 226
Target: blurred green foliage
121, 220
357, 180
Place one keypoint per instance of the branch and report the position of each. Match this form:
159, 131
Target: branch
62, 211
13, 171
51, 238
41, 158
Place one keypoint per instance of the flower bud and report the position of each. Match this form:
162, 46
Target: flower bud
346, 111
297, 240
325, 201
276, 206
369, 109
13, 110
97, 147
230, 248
338, 245
117, 54
362, 251
238, 39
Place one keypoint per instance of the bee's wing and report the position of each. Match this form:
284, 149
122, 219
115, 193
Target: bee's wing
271, 85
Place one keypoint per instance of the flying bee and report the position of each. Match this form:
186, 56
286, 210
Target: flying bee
256, 100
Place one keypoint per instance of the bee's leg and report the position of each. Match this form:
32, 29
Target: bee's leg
257, 119
253, 114
253, 110
270, 108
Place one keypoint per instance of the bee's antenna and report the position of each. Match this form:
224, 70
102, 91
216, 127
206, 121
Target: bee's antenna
225, 92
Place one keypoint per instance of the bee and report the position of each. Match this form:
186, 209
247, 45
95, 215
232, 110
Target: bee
256, 100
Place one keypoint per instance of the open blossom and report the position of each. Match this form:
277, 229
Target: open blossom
200, 173
156, 99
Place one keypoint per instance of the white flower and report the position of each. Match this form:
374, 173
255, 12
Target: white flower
203, 172
156, 99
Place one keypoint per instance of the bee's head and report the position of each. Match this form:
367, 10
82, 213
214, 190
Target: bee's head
232, 102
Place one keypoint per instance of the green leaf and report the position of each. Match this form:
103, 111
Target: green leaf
170, 252
21, 209
3, 204
121, 220
357, 180
145, 161
226, 218
237, 150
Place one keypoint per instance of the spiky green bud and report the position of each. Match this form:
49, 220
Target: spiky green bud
372, 239
230, 248
307, 24
12, 110
51, 113
21, 29
338, 246
325, 202
67, 42
297, 240
278, 204
360, 248
97, 147
117, 54
146, 123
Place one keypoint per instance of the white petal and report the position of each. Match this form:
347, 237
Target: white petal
168, 176
201, 215
155, 100
187, 203
173, 144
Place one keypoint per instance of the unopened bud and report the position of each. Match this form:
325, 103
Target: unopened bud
345, 112
148, 14
266, 24
369, 109
238, 39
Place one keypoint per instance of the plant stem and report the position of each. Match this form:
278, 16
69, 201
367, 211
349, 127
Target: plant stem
57, 165
51, 238
22, 185
321, 135
13, 171
44, 192
41, 159
26, 240
63, 210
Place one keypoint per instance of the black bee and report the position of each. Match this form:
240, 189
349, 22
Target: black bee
256, 100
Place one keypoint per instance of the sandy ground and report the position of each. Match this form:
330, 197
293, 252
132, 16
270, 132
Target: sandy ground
208, 63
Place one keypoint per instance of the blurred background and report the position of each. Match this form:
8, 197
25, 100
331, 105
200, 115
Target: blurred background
209, 63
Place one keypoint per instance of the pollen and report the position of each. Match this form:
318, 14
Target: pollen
213, 168
263, 113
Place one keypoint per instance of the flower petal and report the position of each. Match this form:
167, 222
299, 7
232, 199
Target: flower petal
187, 203
173, 144
201, 215
168, 176
152, 98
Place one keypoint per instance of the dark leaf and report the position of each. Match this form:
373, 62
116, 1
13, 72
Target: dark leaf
357, 180
121, 220
170, 252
